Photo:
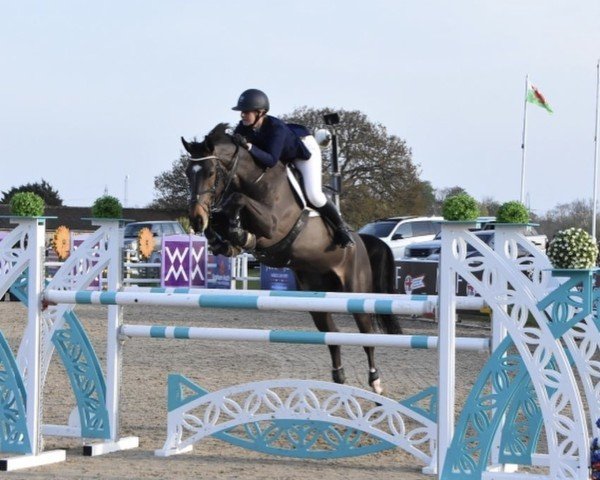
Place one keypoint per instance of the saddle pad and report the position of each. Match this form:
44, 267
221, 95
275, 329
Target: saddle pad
298, 189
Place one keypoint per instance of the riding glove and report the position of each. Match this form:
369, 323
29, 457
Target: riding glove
240, 140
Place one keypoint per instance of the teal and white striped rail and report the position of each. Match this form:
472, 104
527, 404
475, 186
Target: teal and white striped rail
357, 303
301, 337
462, 303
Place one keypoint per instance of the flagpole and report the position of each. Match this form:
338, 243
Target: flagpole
522, 198
596, 152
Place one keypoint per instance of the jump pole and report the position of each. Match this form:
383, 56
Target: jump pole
299, 337
248, 302
462, 303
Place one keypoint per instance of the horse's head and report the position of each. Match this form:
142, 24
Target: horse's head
207, 173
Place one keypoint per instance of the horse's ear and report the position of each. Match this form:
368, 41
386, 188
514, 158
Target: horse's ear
193, 148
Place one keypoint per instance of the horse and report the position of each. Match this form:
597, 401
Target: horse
240, 205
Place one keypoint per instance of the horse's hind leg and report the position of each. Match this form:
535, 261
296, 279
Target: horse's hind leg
324, 323
365, 325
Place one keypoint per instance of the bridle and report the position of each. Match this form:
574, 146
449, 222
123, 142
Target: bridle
223, 175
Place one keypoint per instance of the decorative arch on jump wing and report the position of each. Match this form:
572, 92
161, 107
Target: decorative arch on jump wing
298, 418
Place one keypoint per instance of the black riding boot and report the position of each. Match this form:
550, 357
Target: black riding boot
342, 235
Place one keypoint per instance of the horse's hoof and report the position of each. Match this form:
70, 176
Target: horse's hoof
376, 386
338, 375
375, 382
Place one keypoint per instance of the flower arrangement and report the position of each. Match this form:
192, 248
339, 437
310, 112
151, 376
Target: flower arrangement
107, 207
460, 207
573, 248
27, 204
512, 212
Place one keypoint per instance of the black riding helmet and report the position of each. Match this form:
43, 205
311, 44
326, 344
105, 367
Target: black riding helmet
252, 99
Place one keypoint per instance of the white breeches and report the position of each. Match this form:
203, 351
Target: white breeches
311, 173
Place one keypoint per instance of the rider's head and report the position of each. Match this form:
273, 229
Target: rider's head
253, 105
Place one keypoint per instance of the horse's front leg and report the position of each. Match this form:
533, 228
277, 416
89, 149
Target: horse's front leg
254, 215
324, 323
365, 325
220, 246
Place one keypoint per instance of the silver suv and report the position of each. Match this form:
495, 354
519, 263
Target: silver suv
399, 232
158, 228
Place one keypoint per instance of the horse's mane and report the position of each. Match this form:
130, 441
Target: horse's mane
220, 134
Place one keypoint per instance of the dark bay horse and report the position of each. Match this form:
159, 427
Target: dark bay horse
239, 205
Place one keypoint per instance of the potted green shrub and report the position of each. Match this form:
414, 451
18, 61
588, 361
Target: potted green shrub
573, 248
512, 212
460, 208
27, 204
107, 207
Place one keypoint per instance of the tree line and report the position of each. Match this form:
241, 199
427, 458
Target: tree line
378, 178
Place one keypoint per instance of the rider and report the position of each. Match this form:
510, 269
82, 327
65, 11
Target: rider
268, 139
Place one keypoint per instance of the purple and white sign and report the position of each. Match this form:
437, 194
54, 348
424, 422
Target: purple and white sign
184, 261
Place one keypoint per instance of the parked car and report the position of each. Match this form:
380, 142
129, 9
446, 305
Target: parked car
538, 239
399, 232
158, 229
431, 250
418, 270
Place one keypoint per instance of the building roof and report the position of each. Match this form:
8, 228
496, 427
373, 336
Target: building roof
72, 217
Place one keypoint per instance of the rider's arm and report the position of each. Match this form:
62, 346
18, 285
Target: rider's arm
271, 153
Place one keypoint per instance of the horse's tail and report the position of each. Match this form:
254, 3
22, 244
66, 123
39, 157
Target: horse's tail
383, 270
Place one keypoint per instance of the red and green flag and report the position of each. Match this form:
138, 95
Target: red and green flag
535, 96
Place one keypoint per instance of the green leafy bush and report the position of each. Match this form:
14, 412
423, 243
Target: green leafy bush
27, 204
107, 207
512, 212
460, 207
573, 248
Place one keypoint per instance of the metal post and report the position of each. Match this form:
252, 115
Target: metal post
332, 119
596, 152
115, 318
522, 196
446, 347
336, 179
34, 333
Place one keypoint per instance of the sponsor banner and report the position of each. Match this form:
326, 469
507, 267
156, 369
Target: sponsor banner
416, 277
277, 278
184, 261
421, 277
219, 271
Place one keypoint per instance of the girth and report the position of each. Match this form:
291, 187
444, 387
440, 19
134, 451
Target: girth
281, 248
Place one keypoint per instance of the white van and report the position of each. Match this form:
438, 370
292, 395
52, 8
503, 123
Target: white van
398, 232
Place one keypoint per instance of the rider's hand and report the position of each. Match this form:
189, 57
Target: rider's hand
240, 141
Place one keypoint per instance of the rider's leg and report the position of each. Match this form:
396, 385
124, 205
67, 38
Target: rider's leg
311, 175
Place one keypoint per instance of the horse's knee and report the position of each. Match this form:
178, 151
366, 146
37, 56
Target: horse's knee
338, 375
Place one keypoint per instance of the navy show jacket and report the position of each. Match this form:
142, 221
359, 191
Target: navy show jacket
273, 141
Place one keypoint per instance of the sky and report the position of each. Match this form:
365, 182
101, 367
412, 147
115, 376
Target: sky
94, 96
